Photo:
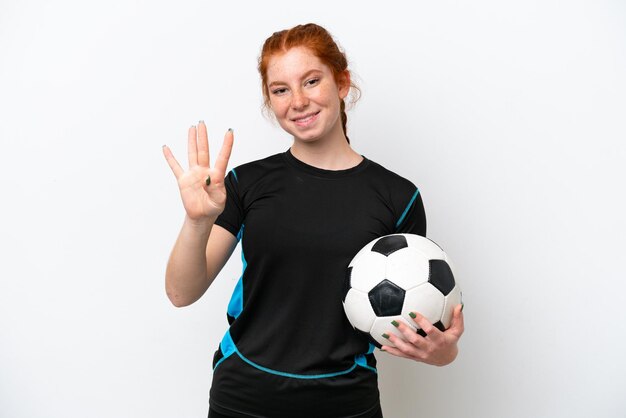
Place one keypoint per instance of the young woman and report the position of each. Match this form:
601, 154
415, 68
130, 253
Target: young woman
301, 215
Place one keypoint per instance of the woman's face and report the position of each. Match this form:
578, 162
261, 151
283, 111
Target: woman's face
304, 95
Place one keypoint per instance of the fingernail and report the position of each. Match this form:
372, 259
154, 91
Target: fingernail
386, 336
462, 306
395, 323
412, 315
382, 349
200, 121
230, 129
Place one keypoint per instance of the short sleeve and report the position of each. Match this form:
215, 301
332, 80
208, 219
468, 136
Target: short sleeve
232, 217
413, 218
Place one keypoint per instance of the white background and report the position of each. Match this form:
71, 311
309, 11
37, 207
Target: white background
509, 116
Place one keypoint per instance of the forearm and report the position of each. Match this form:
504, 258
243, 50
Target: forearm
186, 277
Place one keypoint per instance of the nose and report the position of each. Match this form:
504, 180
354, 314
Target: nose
299, 100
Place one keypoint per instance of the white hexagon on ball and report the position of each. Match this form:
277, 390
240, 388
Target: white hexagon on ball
429, 248
359, 310
370, 269
407, 268
426, 300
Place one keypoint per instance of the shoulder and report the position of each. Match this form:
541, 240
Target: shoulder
399, 191
395, 181
405, 200
245, 175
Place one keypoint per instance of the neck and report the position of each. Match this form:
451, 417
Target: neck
327, 154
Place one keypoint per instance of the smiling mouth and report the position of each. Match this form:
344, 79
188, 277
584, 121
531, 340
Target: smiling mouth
306, 118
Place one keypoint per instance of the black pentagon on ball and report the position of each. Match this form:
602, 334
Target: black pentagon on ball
346, 283
440, 276
390, 244
386, 298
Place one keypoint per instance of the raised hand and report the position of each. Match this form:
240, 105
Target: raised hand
437, 347
202, 201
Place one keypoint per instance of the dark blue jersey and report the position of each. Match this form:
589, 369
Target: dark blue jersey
290, 350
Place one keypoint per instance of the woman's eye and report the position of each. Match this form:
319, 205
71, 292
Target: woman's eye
278, 91
314, 81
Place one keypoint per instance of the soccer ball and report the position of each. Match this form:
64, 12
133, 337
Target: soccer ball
394, 275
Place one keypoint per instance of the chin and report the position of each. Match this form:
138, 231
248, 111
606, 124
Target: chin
306, 138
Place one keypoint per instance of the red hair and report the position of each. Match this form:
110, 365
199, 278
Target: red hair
320, 43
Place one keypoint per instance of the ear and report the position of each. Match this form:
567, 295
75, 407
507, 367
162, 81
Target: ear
344, 84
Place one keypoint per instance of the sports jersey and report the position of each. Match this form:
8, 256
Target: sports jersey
289, 350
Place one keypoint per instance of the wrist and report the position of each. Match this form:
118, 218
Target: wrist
201, 224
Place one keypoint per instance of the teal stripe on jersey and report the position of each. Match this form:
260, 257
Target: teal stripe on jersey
407, 208
227, 346
235, 306
294, 375
362, 361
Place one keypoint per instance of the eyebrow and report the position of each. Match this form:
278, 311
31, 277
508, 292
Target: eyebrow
305, 75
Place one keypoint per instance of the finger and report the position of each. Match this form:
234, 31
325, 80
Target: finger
409, 334
192, 147
176, 168
203, 145
394, 351
221, 163
457, 327
426, 326
408, 349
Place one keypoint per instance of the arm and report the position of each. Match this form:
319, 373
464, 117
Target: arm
199, 254
202, 248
